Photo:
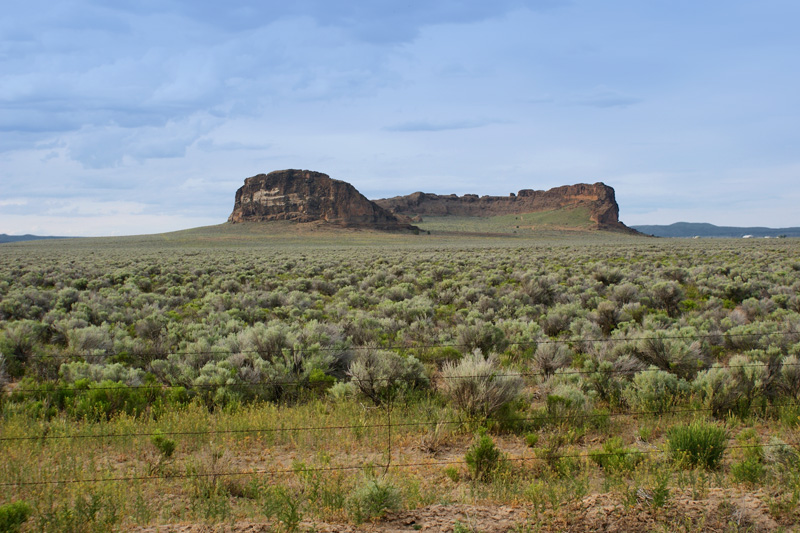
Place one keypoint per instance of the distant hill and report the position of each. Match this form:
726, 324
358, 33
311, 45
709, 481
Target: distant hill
694, 229
17, 238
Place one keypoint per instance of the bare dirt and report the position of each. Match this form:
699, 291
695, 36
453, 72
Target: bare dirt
720, 510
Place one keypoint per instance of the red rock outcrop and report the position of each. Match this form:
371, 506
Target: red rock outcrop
307, 196
598, 198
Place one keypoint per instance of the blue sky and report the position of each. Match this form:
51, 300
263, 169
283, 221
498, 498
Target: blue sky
127, 117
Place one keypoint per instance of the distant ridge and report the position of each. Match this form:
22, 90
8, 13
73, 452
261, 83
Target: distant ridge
701, 229
19, 238
598, 199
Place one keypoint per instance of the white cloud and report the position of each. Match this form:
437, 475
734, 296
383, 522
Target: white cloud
99, 226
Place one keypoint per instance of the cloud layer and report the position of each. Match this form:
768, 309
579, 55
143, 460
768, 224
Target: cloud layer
171, 104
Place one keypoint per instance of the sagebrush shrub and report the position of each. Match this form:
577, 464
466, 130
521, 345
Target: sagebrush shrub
655, 390
698, 444
606, 316
625, 294
568, 404
478, 385
732, 389
550, 357
79, 370
608, 276
672, 355
789, 377
559, 318
781, 454
667, 295
482, 336
540, 290
381, 375
606, 379
3, 374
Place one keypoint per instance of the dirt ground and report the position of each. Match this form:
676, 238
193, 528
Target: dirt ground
720, 510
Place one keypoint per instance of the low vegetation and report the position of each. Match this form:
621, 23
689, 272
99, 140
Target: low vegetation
227, 377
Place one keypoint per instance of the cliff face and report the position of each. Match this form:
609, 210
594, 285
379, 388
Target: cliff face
307, 196
598, 198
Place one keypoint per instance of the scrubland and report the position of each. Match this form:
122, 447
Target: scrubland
303, 380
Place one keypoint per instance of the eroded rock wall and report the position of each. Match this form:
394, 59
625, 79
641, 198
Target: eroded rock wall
597, 197
308, 196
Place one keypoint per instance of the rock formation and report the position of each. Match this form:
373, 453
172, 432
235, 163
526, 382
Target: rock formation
598, 198
307, 196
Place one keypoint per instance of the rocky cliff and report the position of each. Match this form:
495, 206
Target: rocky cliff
598, 198
307, 196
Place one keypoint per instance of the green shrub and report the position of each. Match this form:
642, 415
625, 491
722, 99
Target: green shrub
13, 515
616, 458
373, 499
697, 444
164, 445
483, 458
282, 504
750, 471
452, 473
551, 453
103, 400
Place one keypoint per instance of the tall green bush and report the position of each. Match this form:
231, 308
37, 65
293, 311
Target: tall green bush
698, 444
13, 515
483, 458
372, 499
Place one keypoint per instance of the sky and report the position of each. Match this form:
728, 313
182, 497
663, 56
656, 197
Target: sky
122, 117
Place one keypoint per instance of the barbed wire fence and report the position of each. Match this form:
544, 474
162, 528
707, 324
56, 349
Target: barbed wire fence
390, 425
